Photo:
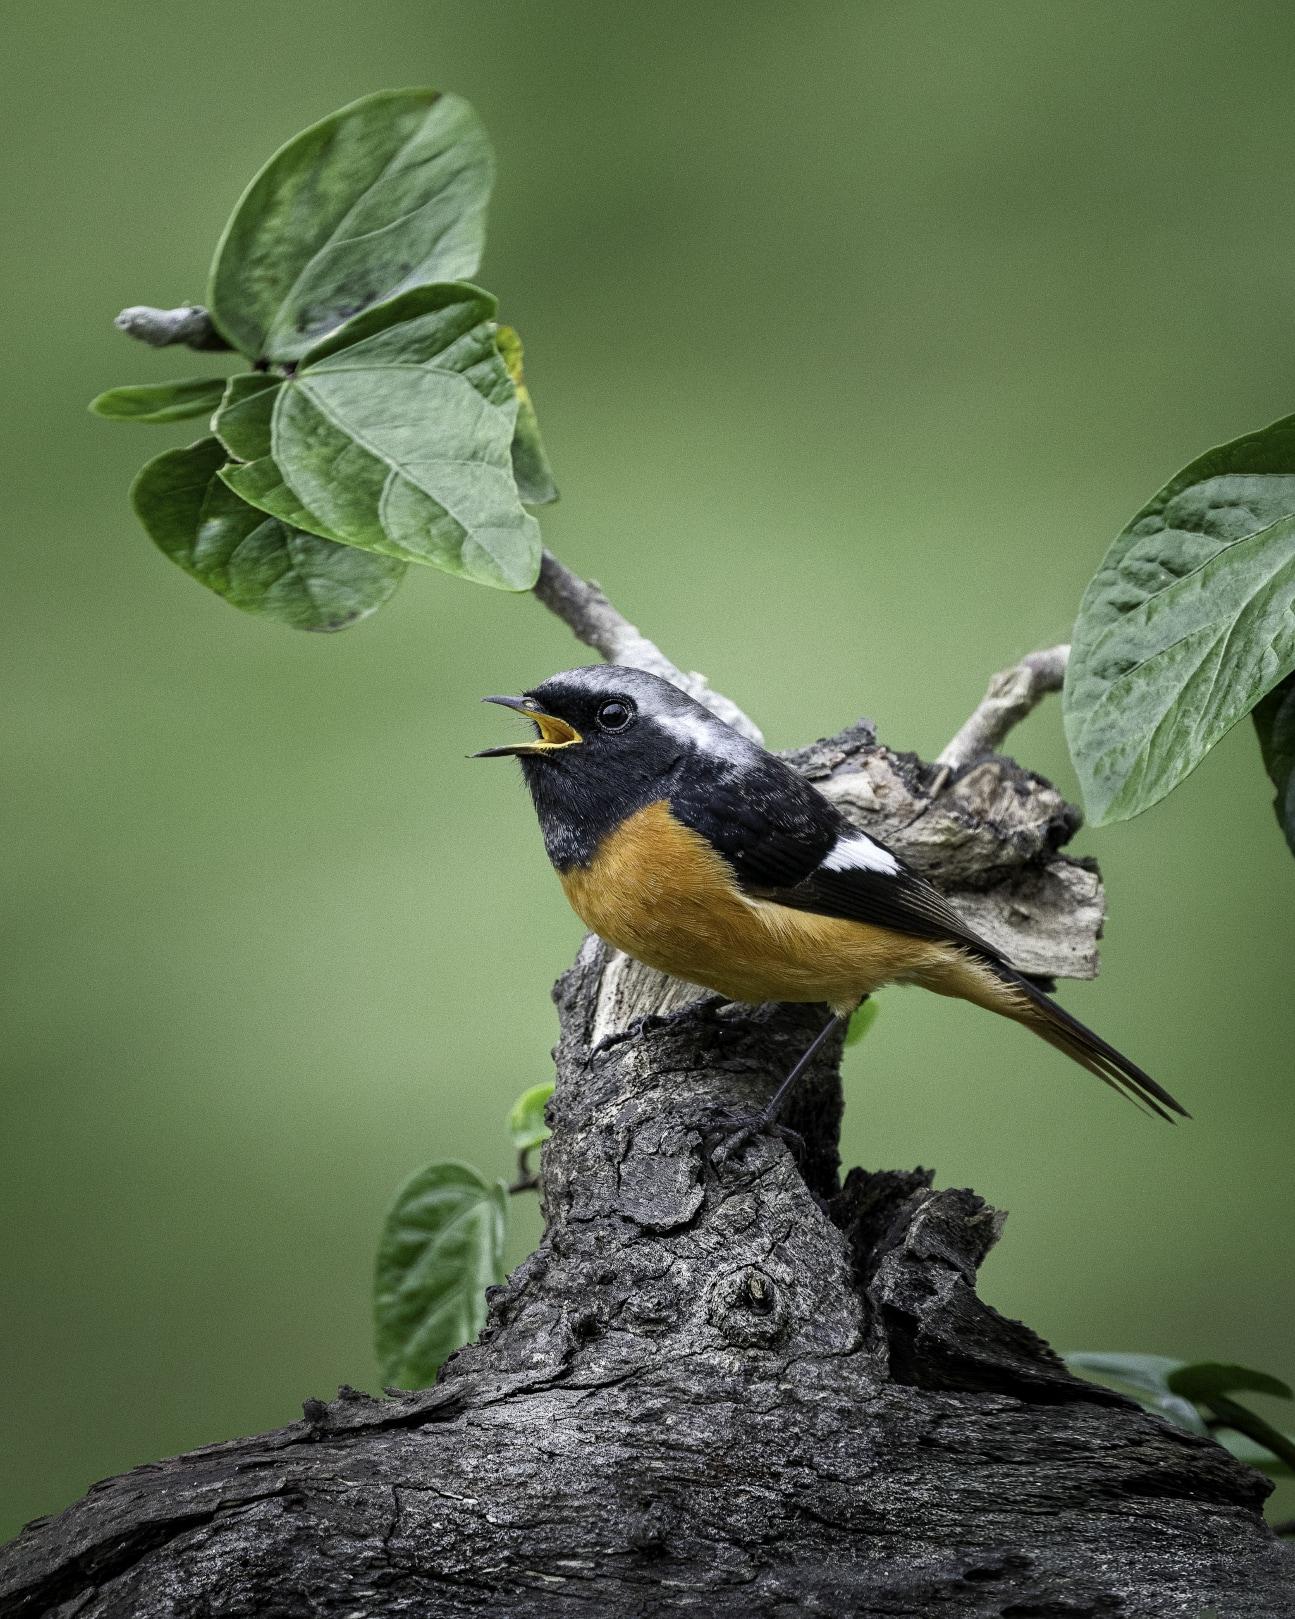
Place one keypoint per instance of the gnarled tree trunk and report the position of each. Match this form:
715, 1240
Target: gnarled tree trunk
734, 1389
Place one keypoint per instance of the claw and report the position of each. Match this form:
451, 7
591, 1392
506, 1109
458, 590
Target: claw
733, 1142
633, 1030
650, 1022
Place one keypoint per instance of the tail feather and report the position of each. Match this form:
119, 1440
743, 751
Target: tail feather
1055, 1025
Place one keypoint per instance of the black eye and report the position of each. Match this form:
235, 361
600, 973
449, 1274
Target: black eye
615, 715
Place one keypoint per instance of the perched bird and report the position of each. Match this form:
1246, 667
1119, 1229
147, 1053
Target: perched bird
694, 850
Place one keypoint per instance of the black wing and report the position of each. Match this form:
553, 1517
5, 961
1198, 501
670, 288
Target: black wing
788, 844
764, 818
900, 900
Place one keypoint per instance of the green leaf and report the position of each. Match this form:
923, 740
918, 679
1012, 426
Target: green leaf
254, 561
1188, 622
526, 1117
1244, 1421
1275, 722
1204, 1379
242, 419
1144, 1376
385, 194
243, 425
1148, 1373
441, 1247
530, 461
1255, 1454
260, 483
160, 401
861, 1020
394, 434
1175, 1388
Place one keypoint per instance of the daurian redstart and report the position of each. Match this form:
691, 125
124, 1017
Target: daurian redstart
692, 849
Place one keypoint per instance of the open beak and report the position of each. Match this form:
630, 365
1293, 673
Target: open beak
553, 732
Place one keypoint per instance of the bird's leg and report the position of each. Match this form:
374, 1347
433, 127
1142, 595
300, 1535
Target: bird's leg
652, 1021
766, 1121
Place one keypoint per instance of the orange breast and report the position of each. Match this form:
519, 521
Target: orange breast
658, 891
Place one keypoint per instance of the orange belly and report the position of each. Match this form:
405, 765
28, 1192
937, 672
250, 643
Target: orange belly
659, 892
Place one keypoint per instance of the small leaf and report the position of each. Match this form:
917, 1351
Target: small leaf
441, 1247
861, 1020
394, 435
1144, 1376
530, 462
254, 561
1255, 1454
1149, 1373
260, 484
242, 419
1275, 722
1244, 1421
1188, 622
388, 193
243, 424
1202, 1380
160, 401
526, 1117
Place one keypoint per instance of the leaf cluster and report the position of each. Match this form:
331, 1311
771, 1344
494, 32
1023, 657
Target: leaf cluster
384, 417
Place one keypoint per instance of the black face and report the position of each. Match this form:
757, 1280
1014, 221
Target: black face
593, 715
610, 741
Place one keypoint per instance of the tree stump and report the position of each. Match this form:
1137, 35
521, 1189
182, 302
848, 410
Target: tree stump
736, 1389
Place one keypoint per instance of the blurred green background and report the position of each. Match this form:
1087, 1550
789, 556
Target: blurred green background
857, 330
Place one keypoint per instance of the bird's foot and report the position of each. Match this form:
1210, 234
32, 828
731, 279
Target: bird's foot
634, 1030
732, 1133
651, 1022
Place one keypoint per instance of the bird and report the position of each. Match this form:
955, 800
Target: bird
694, 850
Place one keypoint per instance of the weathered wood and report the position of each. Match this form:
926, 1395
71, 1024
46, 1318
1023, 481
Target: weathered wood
744, 1390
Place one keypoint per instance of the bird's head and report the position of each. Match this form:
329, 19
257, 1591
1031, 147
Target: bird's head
607, 740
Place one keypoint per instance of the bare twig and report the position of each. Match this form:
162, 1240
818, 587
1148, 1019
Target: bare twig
1013, 693
190, 325
591, 618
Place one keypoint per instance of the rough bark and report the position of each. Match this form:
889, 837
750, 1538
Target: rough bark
743, 1390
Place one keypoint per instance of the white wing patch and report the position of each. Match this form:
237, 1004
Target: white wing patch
856, 851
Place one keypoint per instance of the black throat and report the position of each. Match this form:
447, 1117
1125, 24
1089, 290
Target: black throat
579, 800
